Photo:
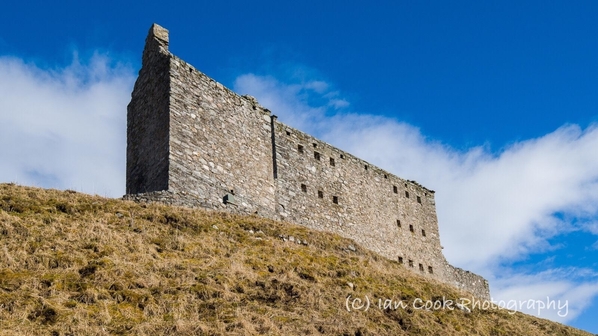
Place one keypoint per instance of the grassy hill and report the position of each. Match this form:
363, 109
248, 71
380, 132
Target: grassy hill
74, 264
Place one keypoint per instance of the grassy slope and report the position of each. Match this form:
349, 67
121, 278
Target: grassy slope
74, 264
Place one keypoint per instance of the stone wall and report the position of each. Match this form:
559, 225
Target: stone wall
465, 280
225, 151
148, 116
220, 142
388, 215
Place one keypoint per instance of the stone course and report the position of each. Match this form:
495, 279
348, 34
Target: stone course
193, 142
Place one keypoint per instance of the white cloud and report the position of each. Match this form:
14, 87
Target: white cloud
493, 208
338, 103
317, 86
498, 205
64, 128
592, 227
533, 293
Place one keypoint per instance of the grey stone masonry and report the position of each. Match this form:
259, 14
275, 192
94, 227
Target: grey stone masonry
193, 142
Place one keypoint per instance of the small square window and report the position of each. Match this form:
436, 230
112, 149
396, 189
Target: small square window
398, 222
410, 263
400, 260
423, 232
335, 199
410, 227
407, 194
288, 133
395, 189
332, 162
385, 176
419, 200
366, 167
430, 270
317, 156
315, 145
320, 194
303, 188
421, 267
300, 149
342, 156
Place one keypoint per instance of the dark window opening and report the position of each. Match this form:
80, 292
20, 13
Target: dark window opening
315, 145
421, 267
419, 200
300, 149
405, 185
430, 270
332, 162
410, 227
366, 167
317, 156
400, 260
423, 232
398, 222
410, 263
395, 189
407, 194
342, 156
288, 133
190, 69
385, 176
335, 199
303, 188
320, 194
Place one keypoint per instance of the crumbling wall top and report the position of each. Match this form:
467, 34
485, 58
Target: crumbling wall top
159, 34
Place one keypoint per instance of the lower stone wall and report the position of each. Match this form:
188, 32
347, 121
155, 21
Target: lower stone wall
191, 201
463, 280
470, 282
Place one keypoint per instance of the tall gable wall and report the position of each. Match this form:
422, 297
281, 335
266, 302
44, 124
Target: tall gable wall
148, 116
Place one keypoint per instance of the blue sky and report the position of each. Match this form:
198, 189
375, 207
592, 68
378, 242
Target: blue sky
492, 104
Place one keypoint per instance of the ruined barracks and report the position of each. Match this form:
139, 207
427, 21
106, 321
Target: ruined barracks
193, 142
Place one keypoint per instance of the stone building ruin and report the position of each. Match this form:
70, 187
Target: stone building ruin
193, 142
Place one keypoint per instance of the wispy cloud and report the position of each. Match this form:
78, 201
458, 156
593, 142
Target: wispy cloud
500, 205
534, 292
65, 128
493, 208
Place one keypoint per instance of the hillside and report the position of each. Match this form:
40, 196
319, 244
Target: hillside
74, 264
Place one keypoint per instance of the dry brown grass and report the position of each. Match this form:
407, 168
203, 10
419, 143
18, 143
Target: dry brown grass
74, 264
